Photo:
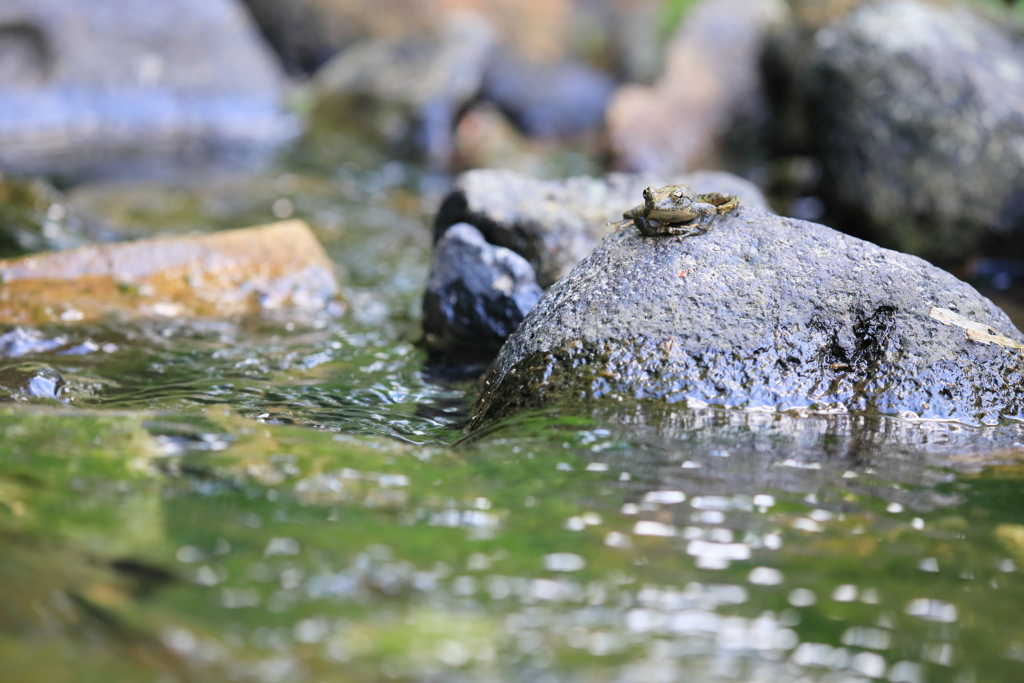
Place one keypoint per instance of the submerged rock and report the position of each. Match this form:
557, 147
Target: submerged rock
762, 312
88, 83
27, 381
477, 294
554, 224
227, 273
917, 114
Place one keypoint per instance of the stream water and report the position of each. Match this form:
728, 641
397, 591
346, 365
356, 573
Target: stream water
280, 500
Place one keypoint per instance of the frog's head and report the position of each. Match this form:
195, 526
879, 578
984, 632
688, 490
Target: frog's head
669, 198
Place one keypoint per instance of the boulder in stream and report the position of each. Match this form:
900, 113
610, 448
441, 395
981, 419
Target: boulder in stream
762, 313
917, 113
234, 272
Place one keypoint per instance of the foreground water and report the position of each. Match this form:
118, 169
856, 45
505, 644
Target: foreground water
281, 500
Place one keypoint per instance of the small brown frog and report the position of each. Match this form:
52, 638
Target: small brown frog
676, 210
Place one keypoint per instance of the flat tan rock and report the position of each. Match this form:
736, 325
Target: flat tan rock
235, 272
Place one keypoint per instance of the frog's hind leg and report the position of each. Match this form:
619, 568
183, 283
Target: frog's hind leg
722, 202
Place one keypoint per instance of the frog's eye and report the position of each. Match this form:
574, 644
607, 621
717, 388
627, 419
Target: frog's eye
648, 192
677, 194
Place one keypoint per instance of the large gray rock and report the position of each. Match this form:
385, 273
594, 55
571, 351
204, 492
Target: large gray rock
918, 117
87, 82
477, 293
554, 224
760, 312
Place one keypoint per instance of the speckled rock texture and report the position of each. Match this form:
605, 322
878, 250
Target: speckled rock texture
554, 224
917, 113
760, 312
477, 295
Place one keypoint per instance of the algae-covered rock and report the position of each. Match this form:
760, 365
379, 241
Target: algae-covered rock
762, 312
227, 273
554, 224
917, 113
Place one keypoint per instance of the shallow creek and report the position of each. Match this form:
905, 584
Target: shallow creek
285, 499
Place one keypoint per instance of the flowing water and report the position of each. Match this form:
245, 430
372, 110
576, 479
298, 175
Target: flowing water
279, 500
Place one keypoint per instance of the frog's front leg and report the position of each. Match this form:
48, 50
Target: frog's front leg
652, 227
722, 202
698, 226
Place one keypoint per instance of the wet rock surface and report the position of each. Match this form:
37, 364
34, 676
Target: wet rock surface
88, 83
233, 272
27, 381
762, 312
554, 224
918, 118
478, 293
708, 107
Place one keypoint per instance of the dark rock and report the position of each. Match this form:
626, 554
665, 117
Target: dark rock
477, 294
88, 83
554, 224
918, 117
27, 381
408, 91
762, 312
548, 100
708, 107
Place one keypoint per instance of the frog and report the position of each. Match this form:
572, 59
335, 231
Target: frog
677, 210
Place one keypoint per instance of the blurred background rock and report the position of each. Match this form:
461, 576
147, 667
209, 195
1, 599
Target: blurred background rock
816, 102
88, 84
